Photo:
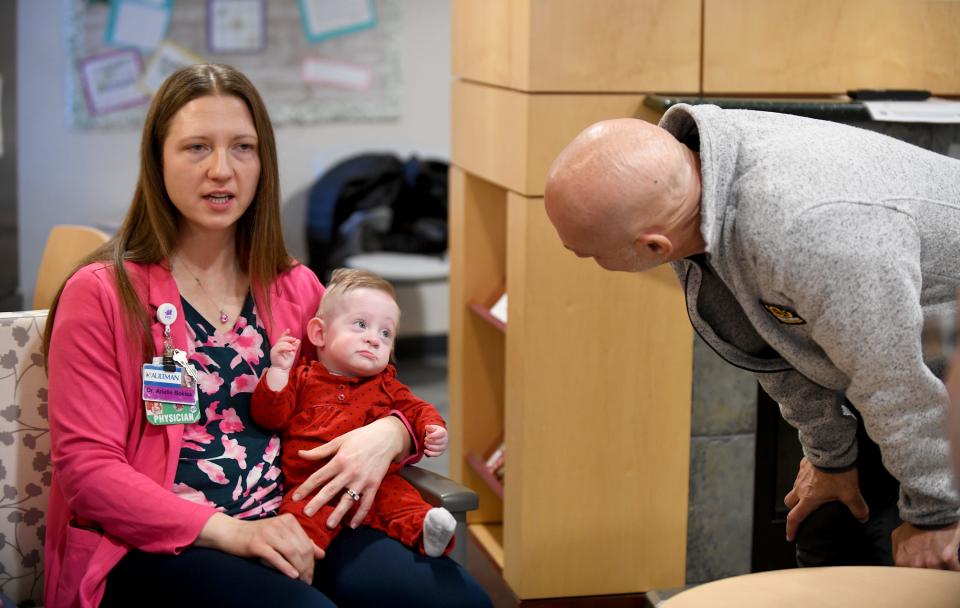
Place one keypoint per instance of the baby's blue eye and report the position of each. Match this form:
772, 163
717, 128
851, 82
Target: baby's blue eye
360, 323
385, 334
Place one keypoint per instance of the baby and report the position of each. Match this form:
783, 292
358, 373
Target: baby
351, 384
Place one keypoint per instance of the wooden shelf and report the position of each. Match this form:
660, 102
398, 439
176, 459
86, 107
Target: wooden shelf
484, 313
531, 383
479, 467
490, 538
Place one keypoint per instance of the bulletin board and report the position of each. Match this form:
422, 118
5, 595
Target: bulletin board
313, 61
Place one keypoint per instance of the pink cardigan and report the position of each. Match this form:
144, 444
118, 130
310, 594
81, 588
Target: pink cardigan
102, 444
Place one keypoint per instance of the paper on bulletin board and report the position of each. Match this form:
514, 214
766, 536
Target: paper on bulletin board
167, 59
323, 19
275, 70
236, 26
138, 23
110, 80
339, 74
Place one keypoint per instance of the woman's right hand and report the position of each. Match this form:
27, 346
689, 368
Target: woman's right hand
279, 541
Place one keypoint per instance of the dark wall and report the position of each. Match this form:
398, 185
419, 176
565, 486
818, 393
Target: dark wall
10, 298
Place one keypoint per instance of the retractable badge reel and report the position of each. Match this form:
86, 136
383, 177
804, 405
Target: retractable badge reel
170, 382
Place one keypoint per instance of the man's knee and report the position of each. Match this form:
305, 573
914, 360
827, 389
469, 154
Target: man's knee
826, 536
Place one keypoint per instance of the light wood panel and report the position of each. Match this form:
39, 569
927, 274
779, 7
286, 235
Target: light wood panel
598, 377
613, 46
572, 45
511, 138
836, 587
830, 46
477, 227
480, 40
66, 247
490, 539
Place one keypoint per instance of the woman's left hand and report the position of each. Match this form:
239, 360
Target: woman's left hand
358, 461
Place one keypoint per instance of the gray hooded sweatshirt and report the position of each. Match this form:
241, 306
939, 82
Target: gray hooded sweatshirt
826, 248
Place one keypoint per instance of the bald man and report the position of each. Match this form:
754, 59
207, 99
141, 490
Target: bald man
810, 253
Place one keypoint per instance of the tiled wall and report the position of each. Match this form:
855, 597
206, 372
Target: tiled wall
719, 529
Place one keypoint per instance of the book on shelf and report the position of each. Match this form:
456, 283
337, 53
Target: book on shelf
499, 309
492, 309
496, 460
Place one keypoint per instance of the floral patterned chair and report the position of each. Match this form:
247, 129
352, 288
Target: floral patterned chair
26, 470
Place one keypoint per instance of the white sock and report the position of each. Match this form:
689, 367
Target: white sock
438, 528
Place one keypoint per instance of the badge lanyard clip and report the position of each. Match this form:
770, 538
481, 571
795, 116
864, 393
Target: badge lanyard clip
169, 364
167, 314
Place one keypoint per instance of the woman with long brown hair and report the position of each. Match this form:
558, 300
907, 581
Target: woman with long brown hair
164, 489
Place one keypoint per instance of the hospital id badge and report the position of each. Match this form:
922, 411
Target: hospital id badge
170, 394
160, 413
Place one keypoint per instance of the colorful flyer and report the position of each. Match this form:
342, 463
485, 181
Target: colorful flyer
139, 23
338, 74
110, 80
324, 19
236, 26
167, 59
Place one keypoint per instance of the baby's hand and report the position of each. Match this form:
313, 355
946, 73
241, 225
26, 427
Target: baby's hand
435, 441
284, 352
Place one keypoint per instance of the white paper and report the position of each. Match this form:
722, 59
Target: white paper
338, 74
326, 17
933, 110
110, 81
140, 24
167, 59
499, 309
236, 26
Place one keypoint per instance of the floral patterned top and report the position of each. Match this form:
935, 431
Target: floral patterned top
226, 460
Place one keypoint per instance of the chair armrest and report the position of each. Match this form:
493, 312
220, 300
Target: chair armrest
440, 491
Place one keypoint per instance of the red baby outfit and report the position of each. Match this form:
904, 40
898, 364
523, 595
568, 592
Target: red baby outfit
317, 406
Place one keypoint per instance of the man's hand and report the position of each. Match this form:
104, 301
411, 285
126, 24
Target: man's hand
435, 441
916, 548
814, 488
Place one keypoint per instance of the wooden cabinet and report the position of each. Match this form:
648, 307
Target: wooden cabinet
589, 383
511, 137
579, 45
804, 47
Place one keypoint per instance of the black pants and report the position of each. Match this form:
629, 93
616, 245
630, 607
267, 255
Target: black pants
362, 568
831, 536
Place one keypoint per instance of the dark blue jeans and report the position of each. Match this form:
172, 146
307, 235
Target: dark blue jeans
363, 567
831, 536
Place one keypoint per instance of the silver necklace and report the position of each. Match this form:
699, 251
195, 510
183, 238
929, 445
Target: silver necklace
223, 315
